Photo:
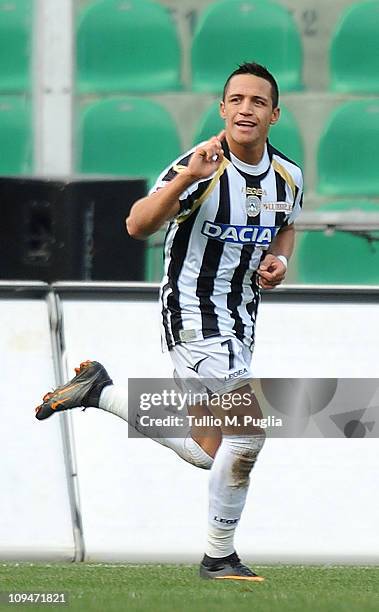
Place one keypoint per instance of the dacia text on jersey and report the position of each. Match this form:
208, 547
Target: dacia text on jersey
261, 235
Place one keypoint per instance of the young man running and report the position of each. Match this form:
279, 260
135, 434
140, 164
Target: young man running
230, 203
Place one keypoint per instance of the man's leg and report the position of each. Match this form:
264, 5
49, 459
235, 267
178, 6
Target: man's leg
92, 387
208, 437
197, 446
230, 473
229, 483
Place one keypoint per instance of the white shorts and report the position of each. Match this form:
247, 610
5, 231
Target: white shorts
218, 365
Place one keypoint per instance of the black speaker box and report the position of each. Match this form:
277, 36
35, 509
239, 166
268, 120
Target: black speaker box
69, 230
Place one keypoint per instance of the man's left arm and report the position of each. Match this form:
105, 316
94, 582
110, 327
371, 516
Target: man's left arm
272, 269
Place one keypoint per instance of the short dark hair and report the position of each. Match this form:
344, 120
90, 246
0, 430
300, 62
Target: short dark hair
259, 71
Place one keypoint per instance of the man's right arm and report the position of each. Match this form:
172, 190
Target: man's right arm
148, 214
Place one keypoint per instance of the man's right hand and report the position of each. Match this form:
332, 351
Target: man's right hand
149, 213
207, 158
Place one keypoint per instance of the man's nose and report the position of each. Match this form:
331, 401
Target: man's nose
246, 108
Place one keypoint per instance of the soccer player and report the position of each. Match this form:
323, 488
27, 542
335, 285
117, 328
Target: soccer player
230, 203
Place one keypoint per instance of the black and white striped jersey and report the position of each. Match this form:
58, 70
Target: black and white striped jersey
214, 245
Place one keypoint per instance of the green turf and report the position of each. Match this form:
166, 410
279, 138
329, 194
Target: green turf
154, 588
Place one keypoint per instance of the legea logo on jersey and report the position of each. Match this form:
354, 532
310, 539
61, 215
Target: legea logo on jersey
261, 235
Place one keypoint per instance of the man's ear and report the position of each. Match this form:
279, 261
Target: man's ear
222, 109
275, 115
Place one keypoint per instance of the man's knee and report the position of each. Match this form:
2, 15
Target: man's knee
239, 412
209, 443
245, 450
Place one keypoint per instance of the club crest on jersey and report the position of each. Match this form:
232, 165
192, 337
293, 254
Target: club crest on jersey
260, 235
253, 205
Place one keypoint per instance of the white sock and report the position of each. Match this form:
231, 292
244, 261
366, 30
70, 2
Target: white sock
228, 486
114, 399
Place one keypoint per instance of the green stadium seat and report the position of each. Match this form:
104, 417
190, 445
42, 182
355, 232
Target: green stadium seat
339, 258
16, 18
125, 136
210, 124
127, 45
154, 262
348, 151
231, 32
15, 136
354, 54
285, 135
128, 137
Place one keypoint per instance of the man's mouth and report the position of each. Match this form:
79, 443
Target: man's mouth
246, 124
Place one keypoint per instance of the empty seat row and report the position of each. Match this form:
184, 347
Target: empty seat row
340, 257
133, 46
138, 137
110, 139
140, 51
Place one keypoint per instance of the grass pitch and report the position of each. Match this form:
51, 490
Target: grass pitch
177, 588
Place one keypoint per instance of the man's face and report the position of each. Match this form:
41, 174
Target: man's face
247, 110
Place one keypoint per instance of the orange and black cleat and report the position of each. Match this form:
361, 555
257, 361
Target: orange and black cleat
82, 390
227, 568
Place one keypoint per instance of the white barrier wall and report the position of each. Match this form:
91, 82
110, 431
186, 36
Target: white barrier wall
35, 519
311, 500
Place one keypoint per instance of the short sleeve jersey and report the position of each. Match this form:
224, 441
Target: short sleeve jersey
214, 245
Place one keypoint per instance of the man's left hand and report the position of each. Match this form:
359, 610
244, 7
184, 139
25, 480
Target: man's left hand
271, 272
